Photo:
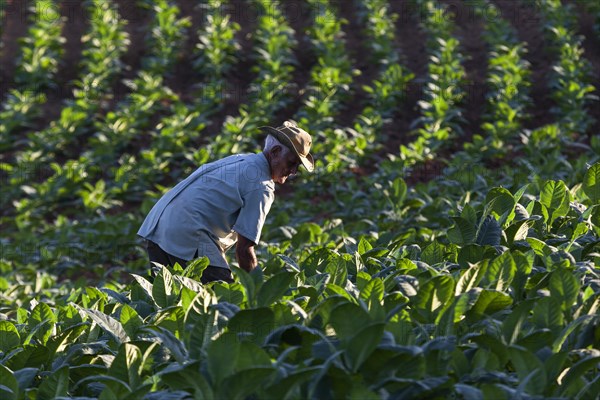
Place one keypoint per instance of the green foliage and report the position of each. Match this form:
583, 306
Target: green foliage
481, 303
105, 42
441, 114
508, 79
38, 62
475, 283
269, 91
571, 81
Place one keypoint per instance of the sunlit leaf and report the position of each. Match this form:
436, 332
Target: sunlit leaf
9, 336
591, 183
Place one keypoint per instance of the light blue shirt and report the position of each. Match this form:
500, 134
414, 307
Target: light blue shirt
206, 211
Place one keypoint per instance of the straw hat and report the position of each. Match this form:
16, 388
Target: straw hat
295, 138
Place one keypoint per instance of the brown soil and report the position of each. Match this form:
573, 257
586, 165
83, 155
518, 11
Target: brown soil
14, 25
298, 15
184, 76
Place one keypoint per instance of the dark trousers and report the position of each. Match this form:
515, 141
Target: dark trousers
158, 255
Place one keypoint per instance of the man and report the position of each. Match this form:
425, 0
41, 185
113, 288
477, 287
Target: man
223, 203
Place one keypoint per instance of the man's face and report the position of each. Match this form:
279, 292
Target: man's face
283, 164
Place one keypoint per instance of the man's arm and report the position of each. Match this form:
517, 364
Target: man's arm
244, 253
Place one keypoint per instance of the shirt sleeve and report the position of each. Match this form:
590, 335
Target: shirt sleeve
253, 214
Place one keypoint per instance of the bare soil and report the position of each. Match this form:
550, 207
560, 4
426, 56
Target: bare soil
410, 41
14, 25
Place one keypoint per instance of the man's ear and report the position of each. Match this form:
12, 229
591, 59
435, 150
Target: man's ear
276, 150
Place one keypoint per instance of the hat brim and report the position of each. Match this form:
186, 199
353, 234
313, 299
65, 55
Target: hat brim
308, 162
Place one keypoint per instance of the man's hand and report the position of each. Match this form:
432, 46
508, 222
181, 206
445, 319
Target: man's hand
244, 253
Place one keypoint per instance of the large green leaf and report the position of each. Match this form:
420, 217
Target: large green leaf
519, 230
489, 302
175, 346
468, 392
469, 214
590, 391
494, 351
426, 388
500, 272
345, 327
146, 287
63, 340
171, 319
433, 296
274, 288
251, 355
565, 287
196, 267
201, 333
501, 203
526, 363
187, 377
109, 324
55, 385
249, 283
434, 253
188, 283
316, 261
9, 387
555, 365
372, 294
232, 293
362, 344
241, 385
126, 365
259, 322
540, 247
513, 324
463, 232
547, 313
398, 192
9, 336
571, 382
364, 246
42, 319
462, 304
568, 330
489, 232
162, 289
556, 198
524, 266
31, 356
222, 356
591, 183
338, 270
130, 320
113, 387
474, 253
25, 377
288, 387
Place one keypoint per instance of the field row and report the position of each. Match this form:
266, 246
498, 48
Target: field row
36, 89
102, 165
